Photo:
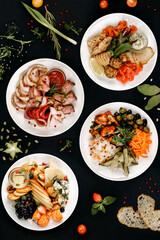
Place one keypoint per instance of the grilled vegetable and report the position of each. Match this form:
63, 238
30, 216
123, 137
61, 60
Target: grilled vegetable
125, 156
122, 159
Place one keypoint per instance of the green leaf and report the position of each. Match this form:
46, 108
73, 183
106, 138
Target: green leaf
148, 90
94, 211
103, 209
95, 205
121, 39
121, 49
109, 200
152, 102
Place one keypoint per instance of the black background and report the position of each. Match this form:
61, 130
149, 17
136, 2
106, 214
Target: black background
100, 226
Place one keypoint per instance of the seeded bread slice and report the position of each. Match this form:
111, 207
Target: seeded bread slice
146, 207
130, 218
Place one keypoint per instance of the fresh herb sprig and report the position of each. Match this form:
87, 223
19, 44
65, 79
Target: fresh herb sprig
51, 91
71, 26
123, 136
99, 206
119, 45
38, 34
11, 36
153, 91
68, 144
52, 21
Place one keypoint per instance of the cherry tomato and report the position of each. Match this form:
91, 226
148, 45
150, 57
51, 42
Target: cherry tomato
131, 3
103, 4
37, 3
97, 197
82, 229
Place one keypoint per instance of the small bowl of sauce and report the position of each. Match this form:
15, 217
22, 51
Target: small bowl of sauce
18, 177
139, 41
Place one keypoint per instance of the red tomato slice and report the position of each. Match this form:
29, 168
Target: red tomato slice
107, 131
101, 119
56, 77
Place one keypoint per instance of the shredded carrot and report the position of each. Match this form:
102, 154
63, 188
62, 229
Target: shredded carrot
140, 143
111, 31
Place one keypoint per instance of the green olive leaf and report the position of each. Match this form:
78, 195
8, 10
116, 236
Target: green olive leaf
95, 205
148, 90
94, 211
152, 102
103, 209
109, 200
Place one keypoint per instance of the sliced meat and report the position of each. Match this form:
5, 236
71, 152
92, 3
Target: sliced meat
69, 98
18, 103
24, 96
103, 58
43, 88
34, 73
67, 87
43, 80
57, 105
33, 103
68, 109
34, 92
58, 97
55, 118
23, 84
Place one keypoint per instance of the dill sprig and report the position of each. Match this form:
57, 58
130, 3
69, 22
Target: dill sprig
68, 144
51, 19
11, 36
36, 33
71, 26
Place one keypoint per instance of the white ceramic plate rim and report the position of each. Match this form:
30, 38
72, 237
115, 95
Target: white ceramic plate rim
85, 136
70, 119
73, 195
108, 84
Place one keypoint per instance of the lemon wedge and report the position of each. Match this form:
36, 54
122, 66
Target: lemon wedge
96, 67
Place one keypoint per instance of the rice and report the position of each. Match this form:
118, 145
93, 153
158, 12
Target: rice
101, 149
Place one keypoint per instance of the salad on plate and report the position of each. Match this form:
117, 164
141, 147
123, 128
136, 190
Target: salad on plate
119, 139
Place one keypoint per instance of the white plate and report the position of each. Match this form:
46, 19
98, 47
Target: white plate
69, 120
117, 174
73, 195
96, 28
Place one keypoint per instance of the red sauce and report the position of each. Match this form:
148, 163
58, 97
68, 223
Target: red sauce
56, 77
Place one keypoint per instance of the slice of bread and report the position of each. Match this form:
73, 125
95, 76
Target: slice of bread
130, 218
146, 207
